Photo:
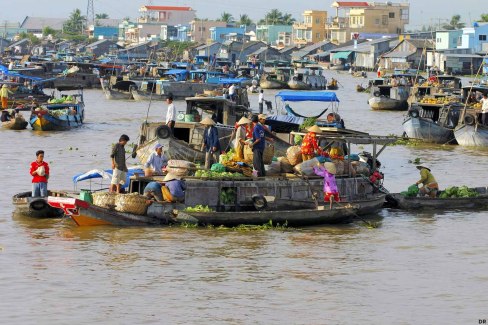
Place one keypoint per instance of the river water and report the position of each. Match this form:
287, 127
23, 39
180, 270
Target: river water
416, 268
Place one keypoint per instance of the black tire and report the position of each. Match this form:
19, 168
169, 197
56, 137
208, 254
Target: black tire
163, 132
38, 204
377, 94
469, 119
413, 113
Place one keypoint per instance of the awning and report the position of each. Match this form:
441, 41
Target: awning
341, 55
314, 96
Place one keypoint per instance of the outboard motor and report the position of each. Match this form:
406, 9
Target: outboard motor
368, 158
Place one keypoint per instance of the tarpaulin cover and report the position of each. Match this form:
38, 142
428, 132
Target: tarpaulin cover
315, 96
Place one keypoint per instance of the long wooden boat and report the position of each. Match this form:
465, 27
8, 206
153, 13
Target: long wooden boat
119, 91
17, 123
35, 207
383, 103
397, 200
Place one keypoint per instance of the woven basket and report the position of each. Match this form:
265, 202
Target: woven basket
179, 167
131, 203
268, 154
104, 199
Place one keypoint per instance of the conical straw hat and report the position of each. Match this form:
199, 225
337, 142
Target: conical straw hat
315, 129
244, 120
330, 167
207, 121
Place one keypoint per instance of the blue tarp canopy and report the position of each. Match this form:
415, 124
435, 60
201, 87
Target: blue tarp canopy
6, 71
341, 55
106, 174
313, 96
175, 71
231, 80
285, 119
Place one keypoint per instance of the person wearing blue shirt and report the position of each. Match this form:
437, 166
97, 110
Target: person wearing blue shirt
258, 144
156, 162
211, 142
153, 190
176, 188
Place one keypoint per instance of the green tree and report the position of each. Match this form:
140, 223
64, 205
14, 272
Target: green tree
101, 16
483, 18
74, 24
227, 17
49, 31
31, 37
244, 20
455, 23
288, 19
274, 17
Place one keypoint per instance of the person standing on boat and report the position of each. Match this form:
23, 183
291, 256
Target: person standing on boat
211, 142
39, 170
156, 162
484, 109
119, 167
4, 92
261, 101
310, 147
241, 136
257, 145
232, 92
328, 171
171, 113
430, 186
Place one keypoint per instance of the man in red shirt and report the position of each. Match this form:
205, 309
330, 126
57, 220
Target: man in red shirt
39, 169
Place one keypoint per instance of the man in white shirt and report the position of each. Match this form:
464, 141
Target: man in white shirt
484, 109
232, 92
261, 101
170, 113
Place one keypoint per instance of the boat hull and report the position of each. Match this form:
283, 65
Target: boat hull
428, 131
50, 123
472, 135
387, 104
414, 203
272, 84
34, 207
298, 85
179, 90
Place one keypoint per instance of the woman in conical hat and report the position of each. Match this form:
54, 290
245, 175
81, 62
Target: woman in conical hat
241, 135
310, 147
328, 171
211, 142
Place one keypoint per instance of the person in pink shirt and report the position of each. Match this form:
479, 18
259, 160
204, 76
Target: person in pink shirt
328, 170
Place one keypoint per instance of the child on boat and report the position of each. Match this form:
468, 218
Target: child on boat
328, 170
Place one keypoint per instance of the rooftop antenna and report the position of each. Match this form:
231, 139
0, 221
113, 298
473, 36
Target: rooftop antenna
90, 13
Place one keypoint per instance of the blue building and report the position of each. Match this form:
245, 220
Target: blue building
448, 39
106, 32
270, 34
475, 38
218, 34
182, 33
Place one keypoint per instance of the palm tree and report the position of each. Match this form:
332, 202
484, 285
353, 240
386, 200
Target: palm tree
287, 19
454, 23
227, 17
75, 22
244, 20
274, 17
483, 18
101, 16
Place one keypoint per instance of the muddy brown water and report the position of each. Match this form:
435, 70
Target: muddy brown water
416, 268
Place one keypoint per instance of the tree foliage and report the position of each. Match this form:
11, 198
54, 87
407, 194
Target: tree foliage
483, 18
49, 31
74, 24
31, 37
227, 17
244, 20
276, 17
455, 23
101, 16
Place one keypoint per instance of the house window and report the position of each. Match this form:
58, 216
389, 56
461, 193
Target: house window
308, 19
404, 14
317, 20
482, 37
384, 20
361, 20
317, 35
391, 15
377, 21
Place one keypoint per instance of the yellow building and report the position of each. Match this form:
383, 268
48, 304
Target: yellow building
385, 18
312, 29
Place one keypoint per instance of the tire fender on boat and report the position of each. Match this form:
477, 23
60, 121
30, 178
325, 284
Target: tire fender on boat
469, 119
413, 112
38, 204
377, 94
259, 202
163, 132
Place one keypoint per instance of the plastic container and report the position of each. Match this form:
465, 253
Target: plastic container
85, 195
189, 118
180, 116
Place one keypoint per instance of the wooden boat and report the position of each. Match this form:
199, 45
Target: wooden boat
35, 207
277, 78
384, 96
433, 123
397, 200
59, 117
470, 131
17, 123
120, 90
332, 87
179, 90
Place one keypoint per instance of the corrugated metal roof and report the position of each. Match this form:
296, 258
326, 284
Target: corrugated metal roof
38, 23
173, 8
402, 54
351, 4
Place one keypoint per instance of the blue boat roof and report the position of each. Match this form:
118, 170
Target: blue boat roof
231, 80
175, 71
107, 174
313, 96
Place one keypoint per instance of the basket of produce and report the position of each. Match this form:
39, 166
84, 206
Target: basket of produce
179, 167
104, 199
294, 155
131, 203
268, 154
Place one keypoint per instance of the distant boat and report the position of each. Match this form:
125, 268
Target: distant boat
16, 123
